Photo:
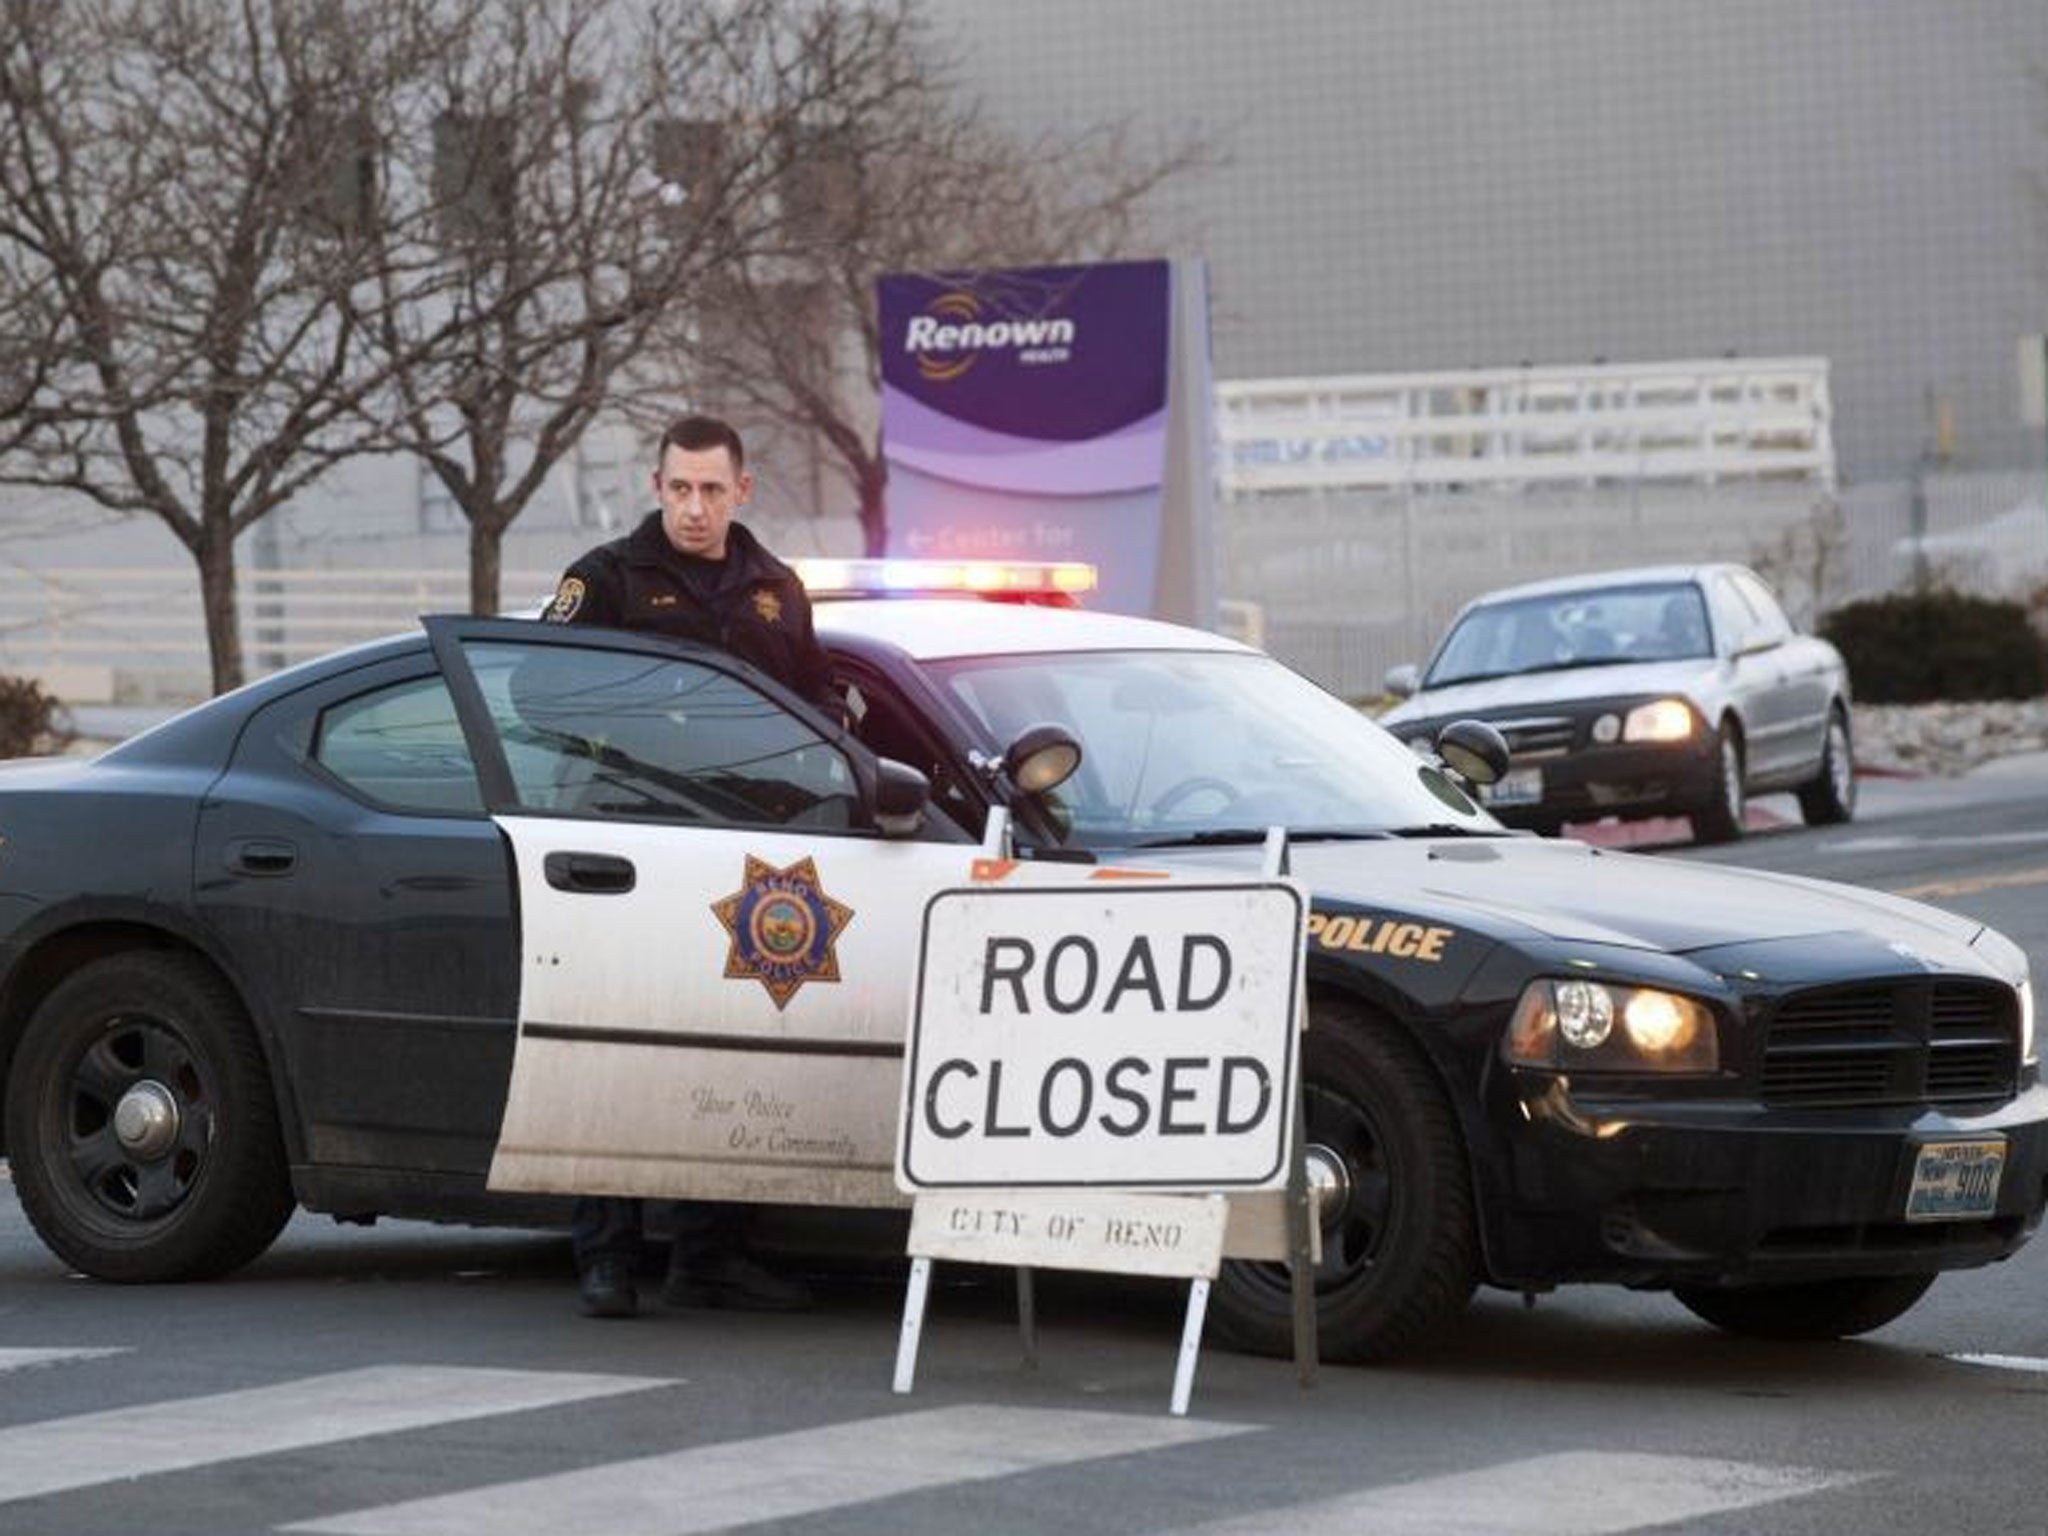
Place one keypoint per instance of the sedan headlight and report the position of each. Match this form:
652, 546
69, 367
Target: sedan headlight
1663, 720
1580, 1026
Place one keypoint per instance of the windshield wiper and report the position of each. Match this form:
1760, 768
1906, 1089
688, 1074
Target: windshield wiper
1225, 836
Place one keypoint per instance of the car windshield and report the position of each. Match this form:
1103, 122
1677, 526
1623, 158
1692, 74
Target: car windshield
1207, 746
1606, 626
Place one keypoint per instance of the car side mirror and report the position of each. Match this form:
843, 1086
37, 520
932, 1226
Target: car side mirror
901, 795
1043, 757
1473, 750
1403, 681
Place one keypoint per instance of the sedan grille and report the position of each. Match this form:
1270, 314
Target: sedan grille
1550, 736
1893, 1043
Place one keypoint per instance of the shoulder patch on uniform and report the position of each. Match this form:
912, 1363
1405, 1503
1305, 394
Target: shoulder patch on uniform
568, 598
768, 605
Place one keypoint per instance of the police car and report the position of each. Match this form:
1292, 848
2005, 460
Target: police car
506, 906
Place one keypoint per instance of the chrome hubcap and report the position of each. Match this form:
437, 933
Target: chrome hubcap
1838, 761
1330, 1179
146, 1120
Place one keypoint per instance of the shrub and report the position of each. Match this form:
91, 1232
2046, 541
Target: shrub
1912, 647
30, 720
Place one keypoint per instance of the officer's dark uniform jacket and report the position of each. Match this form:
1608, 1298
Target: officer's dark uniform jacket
749, 603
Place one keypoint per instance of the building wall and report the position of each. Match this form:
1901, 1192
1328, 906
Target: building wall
1452, 183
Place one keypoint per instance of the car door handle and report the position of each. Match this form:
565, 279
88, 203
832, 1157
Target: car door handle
589, 874
262, 856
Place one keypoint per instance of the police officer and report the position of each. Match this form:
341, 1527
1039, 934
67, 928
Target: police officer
690, 571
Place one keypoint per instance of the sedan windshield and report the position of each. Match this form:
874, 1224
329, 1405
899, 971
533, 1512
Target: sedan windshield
1205, 747
1607, 626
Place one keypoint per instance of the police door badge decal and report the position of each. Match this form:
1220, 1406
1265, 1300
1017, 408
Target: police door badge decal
568, 598
768, 605
783, 928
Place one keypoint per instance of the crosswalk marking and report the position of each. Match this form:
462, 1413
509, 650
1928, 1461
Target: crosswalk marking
58, 1455
22, 1359
781, 1477
1577, 1493
2005, 1362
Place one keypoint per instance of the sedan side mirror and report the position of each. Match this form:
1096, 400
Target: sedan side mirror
1473, 750
901, 795
1402, 681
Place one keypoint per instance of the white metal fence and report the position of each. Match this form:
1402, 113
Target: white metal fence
1698, 421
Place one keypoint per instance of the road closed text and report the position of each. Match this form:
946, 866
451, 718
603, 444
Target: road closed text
1179, 1096
1140, 1036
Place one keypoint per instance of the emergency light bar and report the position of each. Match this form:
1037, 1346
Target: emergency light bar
1045, 581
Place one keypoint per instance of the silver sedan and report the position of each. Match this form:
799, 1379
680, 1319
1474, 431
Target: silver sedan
1657, 691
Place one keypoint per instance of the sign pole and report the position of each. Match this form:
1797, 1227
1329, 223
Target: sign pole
1301, 1205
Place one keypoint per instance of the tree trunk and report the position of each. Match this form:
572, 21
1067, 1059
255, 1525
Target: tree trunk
486, 565
873, 485
216, 556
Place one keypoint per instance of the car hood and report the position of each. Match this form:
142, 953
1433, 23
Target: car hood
1532, 690
1526, 887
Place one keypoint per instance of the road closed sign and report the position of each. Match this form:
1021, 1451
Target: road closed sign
1104, 1035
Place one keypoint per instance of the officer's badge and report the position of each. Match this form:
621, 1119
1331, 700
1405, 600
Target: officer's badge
568, 598
783, 927
768, 606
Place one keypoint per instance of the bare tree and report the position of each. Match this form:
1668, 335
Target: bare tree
183, 189
550, 181
893, 170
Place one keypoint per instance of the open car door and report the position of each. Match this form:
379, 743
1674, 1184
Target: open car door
717, 947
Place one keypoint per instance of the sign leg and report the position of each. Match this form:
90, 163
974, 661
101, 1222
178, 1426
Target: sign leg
1190, 1346
913, 1323
1027, 1315
1301, 1210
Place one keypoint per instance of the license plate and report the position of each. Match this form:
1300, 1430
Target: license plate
1518, 786
1955, 1180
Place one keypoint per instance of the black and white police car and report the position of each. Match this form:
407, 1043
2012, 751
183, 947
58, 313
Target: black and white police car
327, 941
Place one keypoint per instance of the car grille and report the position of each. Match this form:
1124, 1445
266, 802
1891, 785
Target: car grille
1893, 1043
1547, 737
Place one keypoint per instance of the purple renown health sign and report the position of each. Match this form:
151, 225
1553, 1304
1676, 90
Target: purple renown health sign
1024, 416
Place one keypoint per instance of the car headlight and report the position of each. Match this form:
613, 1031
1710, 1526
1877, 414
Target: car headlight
1580, 1026
1663, 720
2030, 1052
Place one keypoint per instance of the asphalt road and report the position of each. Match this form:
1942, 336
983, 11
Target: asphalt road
414, 1379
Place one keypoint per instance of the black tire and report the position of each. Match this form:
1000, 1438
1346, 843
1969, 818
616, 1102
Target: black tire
201, 1186
1820, 1309
1718, 819
1830, 798
1400, 1248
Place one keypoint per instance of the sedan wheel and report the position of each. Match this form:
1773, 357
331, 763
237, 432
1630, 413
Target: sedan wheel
141, 1127
1720, 819
1830, 798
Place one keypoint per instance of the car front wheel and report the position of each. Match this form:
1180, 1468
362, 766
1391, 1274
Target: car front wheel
1820, 1309
1830, 797
141, 1126
1400, 1250
1719, 818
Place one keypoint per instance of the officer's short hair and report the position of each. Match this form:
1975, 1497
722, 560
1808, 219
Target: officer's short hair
695, 434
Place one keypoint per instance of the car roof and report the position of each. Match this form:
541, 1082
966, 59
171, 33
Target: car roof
938, 628
1590, 581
